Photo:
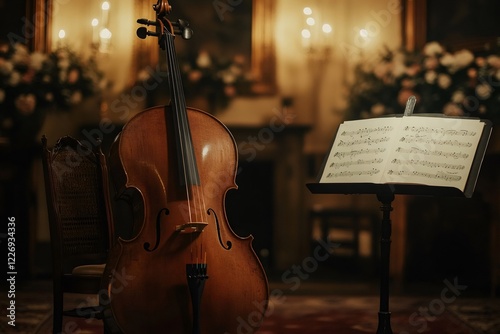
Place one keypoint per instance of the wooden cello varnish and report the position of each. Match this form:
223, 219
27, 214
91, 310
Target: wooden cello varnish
185, 271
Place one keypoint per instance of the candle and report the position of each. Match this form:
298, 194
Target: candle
306, 38
61, 36
95, 34
105, 13
105, 38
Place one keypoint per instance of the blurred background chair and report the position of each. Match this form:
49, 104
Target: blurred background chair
80, 220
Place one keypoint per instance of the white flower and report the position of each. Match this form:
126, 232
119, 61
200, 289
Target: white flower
76, 97
15, 79
483, 91
430, 77
398, 68
458, 97
447, 60
6, 67
63, 76
228, 77
482, 109
452, 109
37, 60
381, 70
377, 109
203, 60
463, 58
63, 63
494, 61
143, 75
21, 55
444, 80
433, 49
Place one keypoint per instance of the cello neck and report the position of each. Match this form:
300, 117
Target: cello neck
187, 162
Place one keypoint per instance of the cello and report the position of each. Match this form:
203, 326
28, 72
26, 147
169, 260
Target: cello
185, 270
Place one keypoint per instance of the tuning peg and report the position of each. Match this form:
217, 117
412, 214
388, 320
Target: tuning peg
147, 22
187, 33
182, 28
143, 32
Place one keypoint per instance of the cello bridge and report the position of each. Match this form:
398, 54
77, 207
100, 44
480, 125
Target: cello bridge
193, 227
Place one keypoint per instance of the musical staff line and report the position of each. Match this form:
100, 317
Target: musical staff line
440, 131
438, 175
368, 131
440, 142
437, 153
366, 141
430, 164
354, 153
370, 172
356, 162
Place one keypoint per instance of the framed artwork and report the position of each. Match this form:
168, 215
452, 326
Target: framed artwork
463, 24
222, 27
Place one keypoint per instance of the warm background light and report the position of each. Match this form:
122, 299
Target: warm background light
306, 33
105, 34
105, 5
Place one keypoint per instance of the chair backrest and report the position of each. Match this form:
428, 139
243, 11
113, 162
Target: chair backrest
80, 218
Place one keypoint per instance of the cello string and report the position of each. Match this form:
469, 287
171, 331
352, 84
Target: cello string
171, 61
189, 161
197, 190
180, 128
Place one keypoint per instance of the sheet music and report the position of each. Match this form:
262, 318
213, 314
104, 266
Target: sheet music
360, 151
434, 151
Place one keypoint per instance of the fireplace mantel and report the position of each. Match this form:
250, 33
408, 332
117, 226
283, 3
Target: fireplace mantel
283, 145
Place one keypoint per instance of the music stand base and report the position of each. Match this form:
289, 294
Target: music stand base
384, 323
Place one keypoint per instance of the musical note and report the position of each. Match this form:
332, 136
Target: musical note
430, 164
438, 175
440, 131
437, 153
432, 141
369, 172
356, 162
368, 131
353, 153
366, 141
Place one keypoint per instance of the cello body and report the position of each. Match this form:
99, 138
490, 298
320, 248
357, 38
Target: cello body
147, 290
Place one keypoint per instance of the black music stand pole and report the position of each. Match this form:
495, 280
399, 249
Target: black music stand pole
384, 316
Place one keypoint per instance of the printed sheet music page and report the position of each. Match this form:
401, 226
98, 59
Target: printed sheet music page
437, 151
359, 152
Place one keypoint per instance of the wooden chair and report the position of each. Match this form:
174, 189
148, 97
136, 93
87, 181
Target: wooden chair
343, 226
80, 219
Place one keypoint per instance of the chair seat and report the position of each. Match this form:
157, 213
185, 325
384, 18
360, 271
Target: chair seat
89, 270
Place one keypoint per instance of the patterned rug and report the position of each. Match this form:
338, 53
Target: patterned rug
305, 314
344, 314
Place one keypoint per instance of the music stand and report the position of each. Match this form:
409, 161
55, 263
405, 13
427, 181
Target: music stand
386, 192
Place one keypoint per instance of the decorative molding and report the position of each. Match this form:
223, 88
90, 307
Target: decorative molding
263, 49
414, 24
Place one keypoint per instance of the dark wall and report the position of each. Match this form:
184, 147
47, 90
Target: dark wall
12, 14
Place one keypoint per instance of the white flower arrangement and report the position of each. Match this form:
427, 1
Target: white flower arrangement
32, 82
458, 83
